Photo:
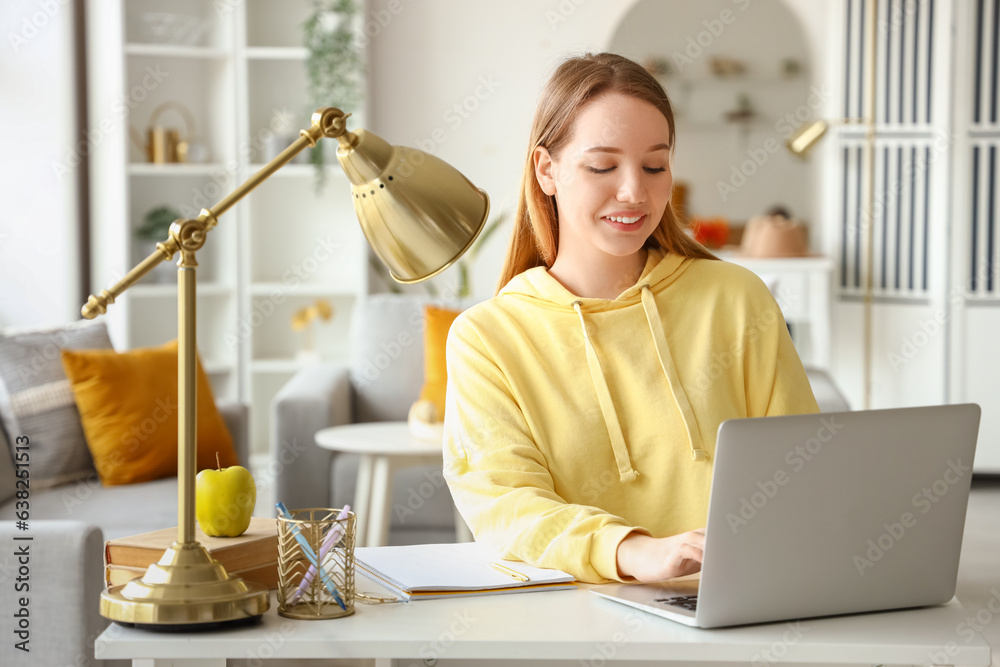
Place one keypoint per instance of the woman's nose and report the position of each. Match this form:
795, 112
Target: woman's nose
631, 189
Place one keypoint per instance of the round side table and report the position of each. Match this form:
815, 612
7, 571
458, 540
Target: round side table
383, 448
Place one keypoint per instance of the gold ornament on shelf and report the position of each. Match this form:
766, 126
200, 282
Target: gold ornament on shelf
301, 321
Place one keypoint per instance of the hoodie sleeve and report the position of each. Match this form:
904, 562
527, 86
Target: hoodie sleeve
776, 381
499, 479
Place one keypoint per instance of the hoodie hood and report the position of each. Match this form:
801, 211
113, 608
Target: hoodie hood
660, 271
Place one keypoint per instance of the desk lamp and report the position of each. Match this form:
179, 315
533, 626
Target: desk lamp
418, 213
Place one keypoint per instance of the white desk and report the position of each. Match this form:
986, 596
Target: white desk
383, 448
565, 627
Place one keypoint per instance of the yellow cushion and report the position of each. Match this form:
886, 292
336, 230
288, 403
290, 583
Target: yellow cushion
437, 322
128, 408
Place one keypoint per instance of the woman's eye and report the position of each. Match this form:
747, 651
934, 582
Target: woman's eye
649, 170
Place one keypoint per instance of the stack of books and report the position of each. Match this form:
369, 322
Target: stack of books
252, 556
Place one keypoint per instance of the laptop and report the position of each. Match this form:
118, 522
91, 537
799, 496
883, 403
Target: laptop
827, 514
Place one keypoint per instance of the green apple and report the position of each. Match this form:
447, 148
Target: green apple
224, 500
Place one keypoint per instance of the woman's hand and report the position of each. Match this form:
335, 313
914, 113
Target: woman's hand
651, 559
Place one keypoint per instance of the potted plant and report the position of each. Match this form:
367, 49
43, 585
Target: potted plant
155, 228
334, 65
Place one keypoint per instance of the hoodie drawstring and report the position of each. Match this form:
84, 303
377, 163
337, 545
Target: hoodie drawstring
625, 471
670, 372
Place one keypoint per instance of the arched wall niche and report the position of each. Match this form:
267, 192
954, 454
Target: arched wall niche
733, 169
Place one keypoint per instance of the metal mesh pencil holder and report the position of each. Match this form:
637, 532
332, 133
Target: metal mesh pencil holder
307, 537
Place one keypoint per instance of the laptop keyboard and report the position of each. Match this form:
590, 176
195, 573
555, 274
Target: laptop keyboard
689, 602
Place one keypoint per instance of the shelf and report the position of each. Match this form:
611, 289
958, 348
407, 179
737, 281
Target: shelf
287, 365
174, 169
240, 68
300, 289
170, 290
277, 53
301, 170
175, 51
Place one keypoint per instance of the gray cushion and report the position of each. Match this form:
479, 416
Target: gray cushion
387, 356
6, 470
36, 399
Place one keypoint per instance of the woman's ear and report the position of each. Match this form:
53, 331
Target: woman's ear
544, 170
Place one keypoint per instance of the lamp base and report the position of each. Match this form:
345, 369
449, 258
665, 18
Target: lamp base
186, 589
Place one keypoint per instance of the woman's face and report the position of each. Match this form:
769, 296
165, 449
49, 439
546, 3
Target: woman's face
612, 180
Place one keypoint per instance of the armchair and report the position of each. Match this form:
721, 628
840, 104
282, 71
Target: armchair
380, 383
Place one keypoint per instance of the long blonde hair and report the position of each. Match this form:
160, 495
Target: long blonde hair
535, 237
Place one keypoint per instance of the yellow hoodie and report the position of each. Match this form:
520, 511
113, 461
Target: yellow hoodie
572, 422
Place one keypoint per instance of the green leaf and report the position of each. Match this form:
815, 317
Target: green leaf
334, 65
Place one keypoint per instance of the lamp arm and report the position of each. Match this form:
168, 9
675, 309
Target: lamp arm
326, 122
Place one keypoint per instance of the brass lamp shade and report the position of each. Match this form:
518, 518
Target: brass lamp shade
802, 141
419, 213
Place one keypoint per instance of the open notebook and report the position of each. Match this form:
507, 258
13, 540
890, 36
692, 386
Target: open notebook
424, 571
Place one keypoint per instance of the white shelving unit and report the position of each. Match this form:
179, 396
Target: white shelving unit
239, 67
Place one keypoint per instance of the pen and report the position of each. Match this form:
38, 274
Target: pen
510, 573
311, 555
332, 537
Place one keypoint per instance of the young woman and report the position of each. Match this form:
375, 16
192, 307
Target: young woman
583, 400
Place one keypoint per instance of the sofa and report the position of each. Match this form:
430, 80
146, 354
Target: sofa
380, 383
69, 525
